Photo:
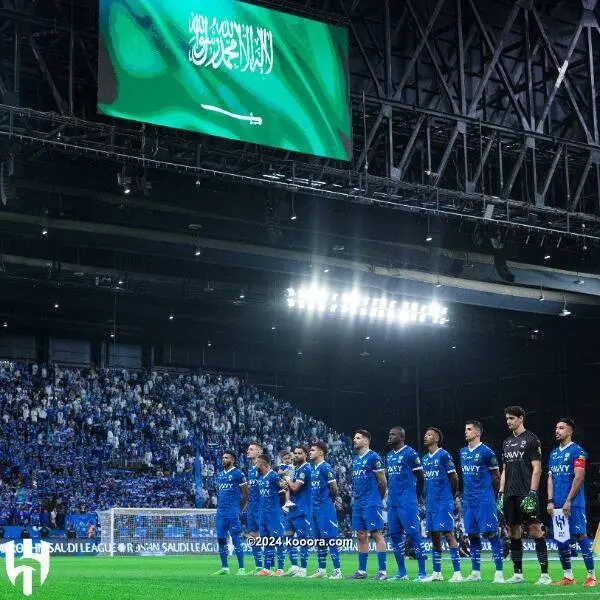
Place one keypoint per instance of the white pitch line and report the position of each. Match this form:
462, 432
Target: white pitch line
489, 596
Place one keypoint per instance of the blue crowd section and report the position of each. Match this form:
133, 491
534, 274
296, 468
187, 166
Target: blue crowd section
74, 441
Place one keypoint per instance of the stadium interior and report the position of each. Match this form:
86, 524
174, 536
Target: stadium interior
150, 277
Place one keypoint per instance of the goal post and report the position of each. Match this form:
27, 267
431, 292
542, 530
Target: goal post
157, 531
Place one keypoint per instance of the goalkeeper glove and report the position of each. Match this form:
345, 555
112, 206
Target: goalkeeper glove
529, 503
500, 503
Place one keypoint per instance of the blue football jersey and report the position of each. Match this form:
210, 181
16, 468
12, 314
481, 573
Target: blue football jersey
563, 462
301, 498
402, 484
253, 491
365, 492
229, 484
320, 478
436, 468
270, 494
476, 464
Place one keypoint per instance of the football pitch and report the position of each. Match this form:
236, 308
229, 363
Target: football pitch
189, 577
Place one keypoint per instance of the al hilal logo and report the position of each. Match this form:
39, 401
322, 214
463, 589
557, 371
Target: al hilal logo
43, 558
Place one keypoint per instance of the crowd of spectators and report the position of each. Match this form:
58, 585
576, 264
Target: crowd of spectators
73, 441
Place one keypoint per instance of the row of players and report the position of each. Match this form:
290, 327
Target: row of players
488, 491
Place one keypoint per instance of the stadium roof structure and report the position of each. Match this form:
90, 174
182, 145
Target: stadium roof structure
475, 125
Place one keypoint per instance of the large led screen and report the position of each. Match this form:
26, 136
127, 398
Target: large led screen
228, 69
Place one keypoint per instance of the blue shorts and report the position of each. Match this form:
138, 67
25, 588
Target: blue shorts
228, 524
271, 526
440, 517
480, 518
252, 521
367, 518
404, 519
324, 523
300, 525
577, 520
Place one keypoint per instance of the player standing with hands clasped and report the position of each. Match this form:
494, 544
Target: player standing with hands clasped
233, 495
369, 489
566, 501
481, 479
441, 493
518, 494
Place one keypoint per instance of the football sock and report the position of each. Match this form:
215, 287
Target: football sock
398, 544
564, 554
541, 549
223, 553
280, 556
257, 554
496, 544
292, 550
239, 551
335, 555
362, 561
516, 552
322, 556
588, 555
475, 553
437, 560
455, 557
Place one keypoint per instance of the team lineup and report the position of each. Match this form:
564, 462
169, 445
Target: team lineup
293, 510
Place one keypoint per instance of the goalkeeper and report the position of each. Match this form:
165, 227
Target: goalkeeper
518, 493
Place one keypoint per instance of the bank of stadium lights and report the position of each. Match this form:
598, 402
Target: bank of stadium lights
354, 304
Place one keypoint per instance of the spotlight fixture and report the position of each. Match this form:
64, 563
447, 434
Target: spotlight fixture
112, 335
565, 312
536, 331
273, 328
209, 344
171, 317
579, 281
44, 231
357, 304
453, 347
56, 305
368, 338
547, 257
293, 216
326, 270
198, 252
5, 324
242, 296
120, 282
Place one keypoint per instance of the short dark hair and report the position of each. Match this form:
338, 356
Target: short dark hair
303, 447
231, 453
321, 445
399, 429
515, 411
568, 422
264, 458
284, 453
475, 424
439, 434
364, 433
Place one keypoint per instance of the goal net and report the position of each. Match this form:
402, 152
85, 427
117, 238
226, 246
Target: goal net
157, 531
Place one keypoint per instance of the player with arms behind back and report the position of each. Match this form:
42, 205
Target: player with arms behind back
565, 491
253, 510
441, 488
481, 479
324, 498
298, 520
231, 500
405, 474
369, 488
518, 494
272, 498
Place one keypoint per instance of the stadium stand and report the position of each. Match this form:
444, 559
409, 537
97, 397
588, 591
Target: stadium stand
73, 441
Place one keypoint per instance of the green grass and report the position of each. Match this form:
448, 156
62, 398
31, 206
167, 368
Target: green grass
190, 577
